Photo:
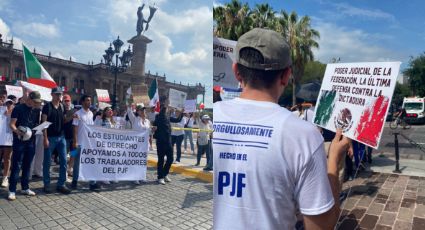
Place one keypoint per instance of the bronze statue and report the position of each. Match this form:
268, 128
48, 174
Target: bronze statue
141, 19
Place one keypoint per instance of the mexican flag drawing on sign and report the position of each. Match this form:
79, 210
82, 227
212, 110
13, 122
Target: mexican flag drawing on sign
35, 72
154, 95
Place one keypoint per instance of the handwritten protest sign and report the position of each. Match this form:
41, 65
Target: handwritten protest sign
102, 95
6, 137
14, 90
113, 154
140, 94
223, 57
190, 106
44, 92
177, 98
355, 97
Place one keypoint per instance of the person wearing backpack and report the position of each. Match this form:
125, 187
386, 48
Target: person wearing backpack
54, 139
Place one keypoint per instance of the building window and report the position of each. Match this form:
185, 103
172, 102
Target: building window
75, 84
81, 84
63, 81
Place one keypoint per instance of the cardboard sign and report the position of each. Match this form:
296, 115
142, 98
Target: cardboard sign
140, 94
16, 91
229, 94
102, 95
190, 106
6, 137
45, 92
223, 57
177, 99
356, 97
113, 154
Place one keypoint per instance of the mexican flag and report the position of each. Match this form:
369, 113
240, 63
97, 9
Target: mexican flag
154, 95
35, 72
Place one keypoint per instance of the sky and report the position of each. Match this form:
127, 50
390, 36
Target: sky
361, 30
181, 32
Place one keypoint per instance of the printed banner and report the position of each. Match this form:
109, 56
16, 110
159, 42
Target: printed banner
102, 95
177, 98
224, 56
190, 106
46, 93
356, 97
15, 91
6, 139
229, 94
113, 154
140, 94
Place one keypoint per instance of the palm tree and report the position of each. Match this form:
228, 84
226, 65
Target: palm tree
263, 16
301, 38
232, 20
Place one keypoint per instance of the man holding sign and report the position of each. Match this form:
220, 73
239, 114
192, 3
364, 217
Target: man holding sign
269, 163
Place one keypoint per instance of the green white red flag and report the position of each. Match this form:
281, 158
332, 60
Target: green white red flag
36, 74
154, 95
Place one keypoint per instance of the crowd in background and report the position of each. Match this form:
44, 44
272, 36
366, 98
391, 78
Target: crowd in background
33, 154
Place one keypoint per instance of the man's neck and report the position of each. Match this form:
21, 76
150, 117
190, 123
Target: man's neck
86, 109
55, 103
258, 95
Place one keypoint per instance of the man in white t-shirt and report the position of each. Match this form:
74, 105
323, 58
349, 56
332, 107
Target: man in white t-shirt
268, 164
82, 116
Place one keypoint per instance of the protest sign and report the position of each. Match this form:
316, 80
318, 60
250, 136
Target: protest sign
355, 97
177, 99
113, 154
45, 92
103, 105
15, 91
190, 106
223, 57
140, 94
102, 95
229, 94
6, 137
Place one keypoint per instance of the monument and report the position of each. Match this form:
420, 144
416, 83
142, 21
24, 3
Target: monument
140, 41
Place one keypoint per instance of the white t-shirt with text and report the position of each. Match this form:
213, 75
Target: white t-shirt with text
268, 163
83, 117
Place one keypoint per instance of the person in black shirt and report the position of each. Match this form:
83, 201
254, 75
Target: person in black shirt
54, 139
24, 115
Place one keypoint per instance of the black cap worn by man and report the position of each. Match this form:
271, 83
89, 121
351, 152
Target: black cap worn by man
273, 163
57, 90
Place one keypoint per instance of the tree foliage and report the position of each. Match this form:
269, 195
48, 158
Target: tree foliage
416, 74
234, 19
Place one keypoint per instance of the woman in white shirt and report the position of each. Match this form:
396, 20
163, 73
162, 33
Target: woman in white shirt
107, 120
177, 136
139, 121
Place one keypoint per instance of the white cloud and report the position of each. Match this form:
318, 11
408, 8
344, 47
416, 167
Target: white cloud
37, 29
351, 45
4, 29
217, 4
350, 10
182, 39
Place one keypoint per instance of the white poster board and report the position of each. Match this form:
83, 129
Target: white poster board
229, 94
6, 137
15, 91
190, 106
223, 57
102, 95
177, 99
356, 97
45, 92
113, 154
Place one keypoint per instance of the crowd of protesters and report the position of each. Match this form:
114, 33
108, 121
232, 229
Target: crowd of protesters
33, 154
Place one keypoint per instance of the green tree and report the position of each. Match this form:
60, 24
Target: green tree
416, 74
263, 16
232, 20
400, 91
302, 39
314, 71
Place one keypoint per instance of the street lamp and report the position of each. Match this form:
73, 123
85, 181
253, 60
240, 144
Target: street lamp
116, 68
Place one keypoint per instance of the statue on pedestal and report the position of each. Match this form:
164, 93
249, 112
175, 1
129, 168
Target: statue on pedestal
141, 19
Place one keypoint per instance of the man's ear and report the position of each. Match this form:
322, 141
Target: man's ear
236, 72
286, 76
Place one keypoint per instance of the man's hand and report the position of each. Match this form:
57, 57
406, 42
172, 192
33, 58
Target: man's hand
339, 146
